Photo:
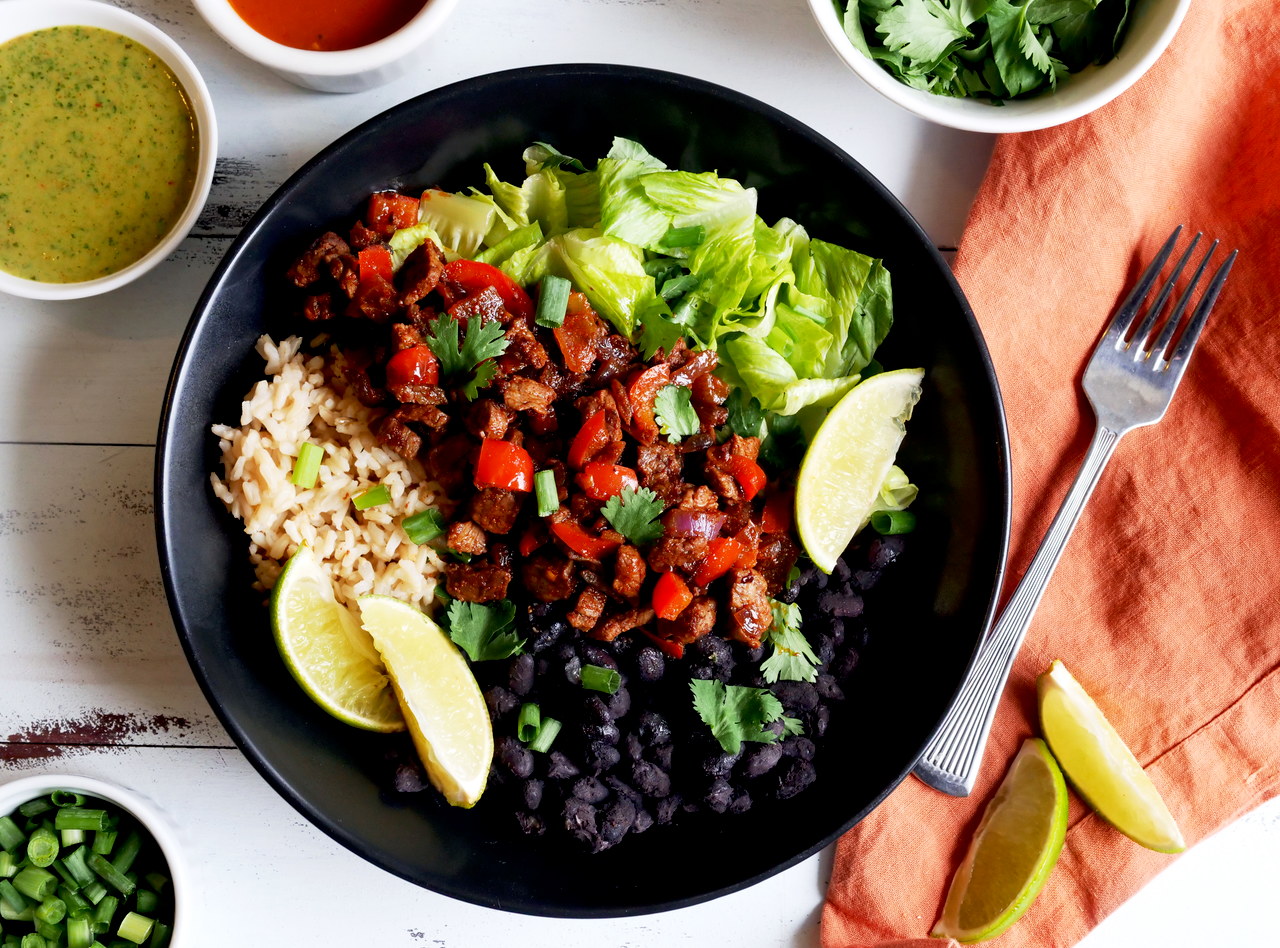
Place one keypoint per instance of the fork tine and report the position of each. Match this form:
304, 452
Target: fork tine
1192, 333
1175, 318
1120, 323
1140, 337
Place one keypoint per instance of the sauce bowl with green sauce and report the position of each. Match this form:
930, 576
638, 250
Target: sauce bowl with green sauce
107, 151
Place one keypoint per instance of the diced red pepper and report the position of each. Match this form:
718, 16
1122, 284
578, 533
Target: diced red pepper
722, 554
778, 512
581, 542
503, 464
577, 337
670, 596
669, 648
532, 538
642, 392
591, 437
749, 475
463, 278
375, 261
416, 365
390, 211
600, 481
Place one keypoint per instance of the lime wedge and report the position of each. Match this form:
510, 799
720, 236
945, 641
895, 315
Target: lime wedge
1012, 851
848, 460
442, 703
328, 653
1100, 765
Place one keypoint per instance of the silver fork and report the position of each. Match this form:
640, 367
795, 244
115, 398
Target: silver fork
1129, 381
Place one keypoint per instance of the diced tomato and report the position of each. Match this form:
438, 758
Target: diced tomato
749, 539
577, 338
749, 475
778, 512
463, 278
591, 437
581, 542
503, 464
722, 554
416, 365
670, 596
375, 261
534, 537
669, 648
641, 393
389, 211
600, 481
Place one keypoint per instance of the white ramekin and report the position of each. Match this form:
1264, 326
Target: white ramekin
343, 70
18, 17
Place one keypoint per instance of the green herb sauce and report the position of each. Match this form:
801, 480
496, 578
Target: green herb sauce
97, 153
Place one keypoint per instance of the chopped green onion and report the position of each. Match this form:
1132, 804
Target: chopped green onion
79, 932
36, 883
146, 901
891, 522
77, 868
110, 874
104, 841
459, 555
373, 497
12, 897
423, 527
544, 488
530, 722
79, 818
545, 736
76, 903
10, 836
127, 853
95, 891
71, 837
33, 940
159, 935
42, 847
105, 912
689, 236
157, 880
553, 301
35, 807
51, 934
66, 798
10, 914
307, 467
60, 867
596, 678
51, 911
135, 927
8, 865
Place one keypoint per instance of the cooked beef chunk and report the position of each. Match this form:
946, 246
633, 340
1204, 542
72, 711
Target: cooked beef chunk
523, 394
749, 609
420, 273
486, 306
614, 626
374, 299
447, 462
495, 509
677, 553
306, 270
428, 416
465, 537
628, 572
694, 368
774, 559
660, 467
524, 351
487, 419
344, 270
405, 336
318, 308
361, 386
399, 437
697, 619
588, 609
476, 581
719, 470
415, 394
362, 237
548, 575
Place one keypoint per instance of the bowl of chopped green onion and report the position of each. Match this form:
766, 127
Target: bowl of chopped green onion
999, 65
84, 863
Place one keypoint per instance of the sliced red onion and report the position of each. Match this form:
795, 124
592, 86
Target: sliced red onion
683, 522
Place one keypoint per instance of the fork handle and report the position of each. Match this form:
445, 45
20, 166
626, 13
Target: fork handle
952, 758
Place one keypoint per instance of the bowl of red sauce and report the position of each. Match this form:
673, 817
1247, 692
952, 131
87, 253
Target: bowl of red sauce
329, 45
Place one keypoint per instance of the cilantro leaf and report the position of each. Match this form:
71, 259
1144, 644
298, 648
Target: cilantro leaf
633, 514
923, 30
792, 658
484, 630
745, 413
465, 361
674, 412
737, 713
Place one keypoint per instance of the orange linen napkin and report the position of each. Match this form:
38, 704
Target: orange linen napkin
1165, 604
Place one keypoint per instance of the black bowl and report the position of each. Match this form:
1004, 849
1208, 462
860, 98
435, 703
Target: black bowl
929, 619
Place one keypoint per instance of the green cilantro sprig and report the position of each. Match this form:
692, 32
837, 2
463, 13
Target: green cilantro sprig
737, 713
673, 410
633, 514
792, 659
484, 630
466, 362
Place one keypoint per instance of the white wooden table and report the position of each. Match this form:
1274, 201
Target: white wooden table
92, 678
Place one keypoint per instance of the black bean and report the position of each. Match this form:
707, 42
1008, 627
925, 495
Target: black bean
711, 650
595, 710
520, 675
644, 820
740, 803
799, 747
662, 754
791, 593
650, 664
841, 604
532, 792
539, 610
590, 789
664, 810
819, 718
632, 747
602, 733
573, 670
796, 695
580, 820
718, 795
595, 655
884, 550
759, 759
601, 757
836, 631
619, 702
654, 729
560, 767
616, 819
650, 779
718, 765
547, 635
841, 571
500, 702
514, 756
531, 824
828, 689
844, 663
824, 647
623, 789
409, 778
865, 578
795, 776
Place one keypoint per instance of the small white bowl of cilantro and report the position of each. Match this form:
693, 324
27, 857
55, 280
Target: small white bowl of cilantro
999, 65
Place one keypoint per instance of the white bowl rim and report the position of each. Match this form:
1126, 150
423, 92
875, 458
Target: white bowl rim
25, 16
14, 793
228, 24
1158, 22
